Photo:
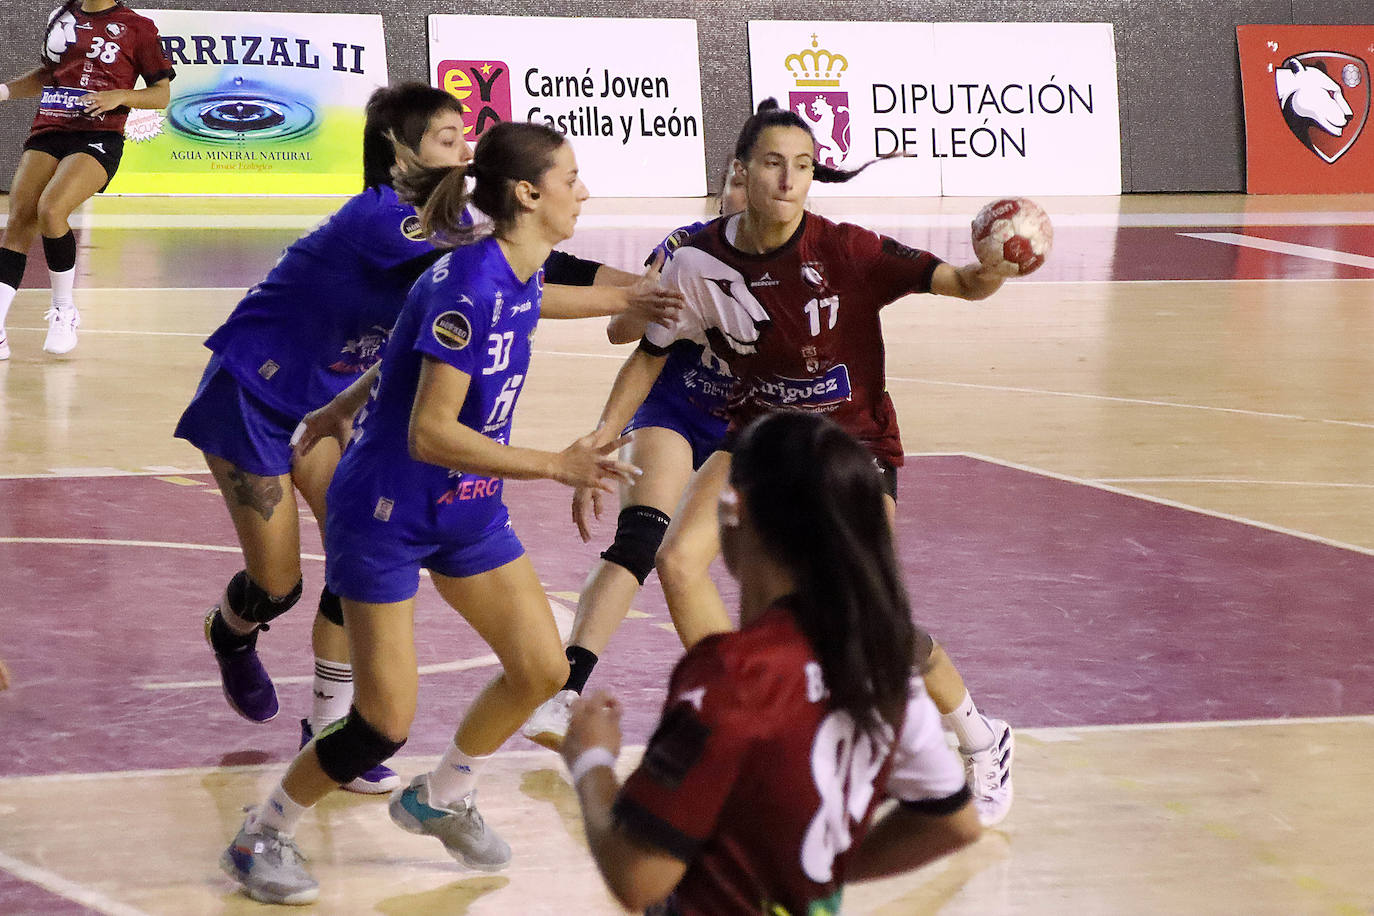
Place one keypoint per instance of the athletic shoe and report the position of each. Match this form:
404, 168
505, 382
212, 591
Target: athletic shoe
548, 725
246, 685
63, 320
989, 774
268, 865
379, 780
4, 345
462, 831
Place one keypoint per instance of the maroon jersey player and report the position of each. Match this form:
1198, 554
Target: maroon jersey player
756, 793
94, 52
790, 301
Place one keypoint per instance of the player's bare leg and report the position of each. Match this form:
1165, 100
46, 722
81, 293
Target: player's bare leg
985, 744
332, 688
76, 181
35, 171
508, 608
263, 510
605, 599
684, 560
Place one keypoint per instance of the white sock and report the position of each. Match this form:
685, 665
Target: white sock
279, 812
6, 297
970, 726
332, 693
454, 776
62, 283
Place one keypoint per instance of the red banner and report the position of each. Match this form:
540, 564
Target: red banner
1307, 108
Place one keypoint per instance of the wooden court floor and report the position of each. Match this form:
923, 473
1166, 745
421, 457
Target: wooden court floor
1211, 354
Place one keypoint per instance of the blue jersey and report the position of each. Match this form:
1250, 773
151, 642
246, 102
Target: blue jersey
469, 310
320, 317
692, 374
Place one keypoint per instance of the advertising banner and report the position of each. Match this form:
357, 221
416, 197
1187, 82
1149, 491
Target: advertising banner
263, 103
1306, 90
626, 92
972, 108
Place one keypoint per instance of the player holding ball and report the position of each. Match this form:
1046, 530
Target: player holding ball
790, 301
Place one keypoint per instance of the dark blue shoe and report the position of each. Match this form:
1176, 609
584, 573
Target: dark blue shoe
246, 685
379, 780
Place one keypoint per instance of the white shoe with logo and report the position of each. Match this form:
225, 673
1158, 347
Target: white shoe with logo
988, 772
63, 320
548, 725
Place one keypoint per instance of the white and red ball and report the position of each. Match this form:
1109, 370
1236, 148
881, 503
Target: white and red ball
1013, 236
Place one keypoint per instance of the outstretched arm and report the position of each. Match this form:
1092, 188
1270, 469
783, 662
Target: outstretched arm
28, 86
972, 281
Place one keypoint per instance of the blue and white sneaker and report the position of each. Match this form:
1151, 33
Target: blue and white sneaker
462, 831
379, 780
269, 866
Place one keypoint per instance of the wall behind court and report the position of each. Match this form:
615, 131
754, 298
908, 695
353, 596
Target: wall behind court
1182, 125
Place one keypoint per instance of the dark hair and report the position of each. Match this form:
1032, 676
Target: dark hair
401, 112
508, 153
816, 501
770, 115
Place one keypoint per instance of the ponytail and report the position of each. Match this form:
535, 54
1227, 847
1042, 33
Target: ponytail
816, 500
770, 115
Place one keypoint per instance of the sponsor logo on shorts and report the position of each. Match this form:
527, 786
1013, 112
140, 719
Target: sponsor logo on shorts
808, 393
268, 369
411, 229
452, 330
97, 146
383, 511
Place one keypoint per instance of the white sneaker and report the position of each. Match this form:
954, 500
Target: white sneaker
63, 320
548, 725
989, 774
4, 345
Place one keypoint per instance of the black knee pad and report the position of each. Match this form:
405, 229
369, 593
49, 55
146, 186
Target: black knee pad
331, 608
350, 747
638, 532
250, 601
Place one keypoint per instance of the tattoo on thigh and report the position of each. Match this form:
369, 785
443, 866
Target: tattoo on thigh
261, 494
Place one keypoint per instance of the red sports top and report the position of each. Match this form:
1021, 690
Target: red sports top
93, 52
762, 789
799, 326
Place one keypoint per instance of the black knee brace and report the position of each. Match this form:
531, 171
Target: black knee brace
331, 608
248, 599
638, 532
350, 747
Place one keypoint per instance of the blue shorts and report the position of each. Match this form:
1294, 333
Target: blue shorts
702, 430
225, 420
379, 562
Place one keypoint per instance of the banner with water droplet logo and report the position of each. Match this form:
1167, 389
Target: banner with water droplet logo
263, 103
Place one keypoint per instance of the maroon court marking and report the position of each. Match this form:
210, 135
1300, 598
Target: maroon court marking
1063, 605
22, 898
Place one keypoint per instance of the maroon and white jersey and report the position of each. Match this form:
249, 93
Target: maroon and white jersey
799, 326
93, 52
761, 788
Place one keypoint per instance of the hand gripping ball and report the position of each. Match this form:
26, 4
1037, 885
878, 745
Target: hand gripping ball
1013, 236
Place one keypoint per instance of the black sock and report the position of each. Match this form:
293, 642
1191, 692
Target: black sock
581, 662
60, 252
12, 267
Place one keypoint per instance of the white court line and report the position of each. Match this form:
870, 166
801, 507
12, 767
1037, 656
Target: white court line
1239, 481
199, 335
1329, 255
1147, 402
1174, 504
54, 883
115, 542
61, 473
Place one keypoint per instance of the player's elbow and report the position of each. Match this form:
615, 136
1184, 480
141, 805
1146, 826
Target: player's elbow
423, 440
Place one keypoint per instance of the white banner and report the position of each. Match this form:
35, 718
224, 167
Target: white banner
980, 109
263, 103
626, 92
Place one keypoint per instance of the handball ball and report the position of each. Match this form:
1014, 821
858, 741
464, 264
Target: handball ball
1013, 236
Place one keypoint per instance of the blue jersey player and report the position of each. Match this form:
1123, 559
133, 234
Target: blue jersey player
679, 425
298, 338
421, 488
